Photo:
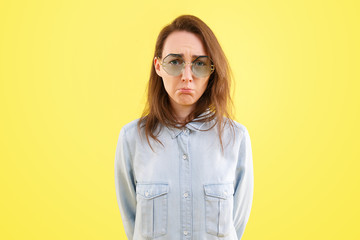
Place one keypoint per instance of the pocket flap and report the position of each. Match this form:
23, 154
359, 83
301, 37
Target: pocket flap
148, 190
223, 191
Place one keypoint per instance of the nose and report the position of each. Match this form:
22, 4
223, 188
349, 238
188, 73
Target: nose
187, 73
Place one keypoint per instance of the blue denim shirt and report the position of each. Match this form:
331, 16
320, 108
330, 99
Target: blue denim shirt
187, 189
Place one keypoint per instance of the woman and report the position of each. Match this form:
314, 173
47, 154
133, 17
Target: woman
184, 169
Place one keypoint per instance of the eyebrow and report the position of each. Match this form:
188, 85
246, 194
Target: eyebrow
182, 55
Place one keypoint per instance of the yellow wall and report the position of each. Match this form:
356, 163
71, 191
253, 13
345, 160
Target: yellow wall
74, 72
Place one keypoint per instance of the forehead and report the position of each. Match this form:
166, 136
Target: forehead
185, 43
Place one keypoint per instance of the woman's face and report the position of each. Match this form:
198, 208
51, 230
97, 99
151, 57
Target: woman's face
186, 89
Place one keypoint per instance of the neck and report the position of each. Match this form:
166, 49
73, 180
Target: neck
182, 112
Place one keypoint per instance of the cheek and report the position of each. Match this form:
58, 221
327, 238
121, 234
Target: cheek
203, 86
169, 86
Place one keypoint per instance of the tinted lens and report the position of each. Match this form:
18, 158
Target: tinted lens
202, 67
173, 65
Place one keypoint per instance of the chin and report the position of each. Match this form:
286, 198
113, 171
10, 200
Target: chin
186, 100
186, 103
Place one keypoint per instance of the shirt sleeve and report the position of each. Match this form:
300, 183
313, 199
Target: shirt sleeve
125, 185
244, 185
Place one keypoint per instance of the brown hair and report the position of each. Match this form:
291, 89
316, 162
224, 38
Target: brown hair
216, 97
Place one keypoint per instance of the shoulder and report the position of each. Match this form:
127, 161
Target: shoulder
239, 128
130, 126
129, 130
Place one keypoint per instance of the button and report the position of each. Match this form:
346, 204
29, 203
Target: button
186, 233
146, 193
184, 157
186, 130
186, 194
225, 193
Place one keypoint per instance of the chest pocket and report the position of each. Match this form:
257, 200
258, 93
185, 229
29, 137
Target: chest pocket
219, 209
152, 202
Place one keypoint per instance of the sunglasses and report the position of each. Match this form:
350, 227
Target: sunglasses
174, 64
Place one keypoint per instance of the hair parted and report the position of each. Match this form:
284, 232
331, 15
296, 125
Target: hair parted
216, 98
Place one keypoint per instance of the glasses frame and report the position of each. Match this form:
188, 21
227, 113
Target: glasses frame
184, 64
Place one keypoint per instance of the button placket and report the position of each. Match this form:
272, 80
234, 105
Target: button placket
185, 184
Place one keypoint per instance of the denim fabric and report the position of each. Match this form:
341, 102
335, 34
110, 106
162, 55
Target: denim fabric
188, 188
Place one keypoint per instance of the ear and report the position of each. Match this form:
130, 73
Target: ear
157, 66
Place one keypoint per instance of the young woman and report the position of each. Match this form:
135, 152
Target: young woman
184, 169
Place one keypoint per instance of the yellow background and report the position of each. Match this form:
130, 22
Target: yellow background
74, 72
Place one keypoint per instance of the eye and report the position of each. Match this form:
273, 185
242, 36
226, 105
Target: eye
200, 64
174, 62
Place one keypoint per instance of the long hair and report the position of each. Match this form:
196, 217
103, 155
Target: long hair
216, 97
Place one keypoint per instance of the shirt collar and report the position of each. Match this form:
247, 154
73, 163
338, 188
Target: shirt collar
192, 126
